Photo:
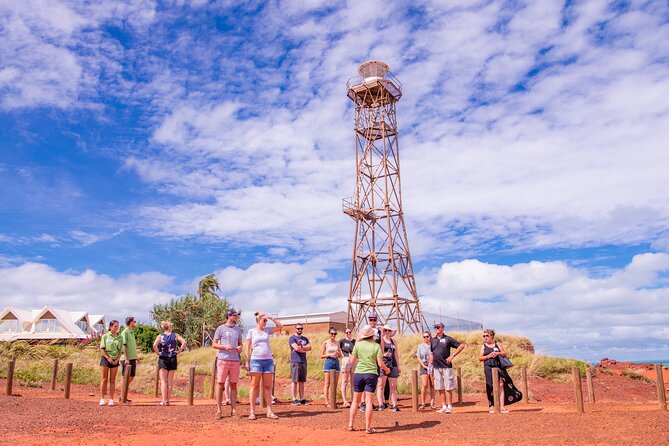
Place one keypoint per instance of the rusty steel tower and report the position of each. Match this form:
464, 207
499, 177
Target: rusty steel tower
382, 278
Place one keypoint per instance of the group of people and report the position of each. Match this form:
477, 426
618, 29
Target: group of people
369, 365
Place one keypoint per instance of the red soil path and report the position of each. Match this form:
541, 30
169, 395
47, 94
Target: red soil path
626, 413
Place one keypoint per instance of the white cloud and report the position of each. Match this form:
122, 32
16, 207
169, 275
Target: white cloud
34, 285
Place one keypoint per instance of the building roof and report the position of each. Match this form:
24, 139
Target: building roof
29, 320
313, 318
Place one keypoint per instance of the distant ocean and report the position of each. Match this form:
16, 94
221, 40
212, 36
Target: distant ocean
664, 362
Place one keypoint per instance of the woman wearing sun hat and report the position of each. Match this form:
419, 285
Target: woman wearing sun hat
366, 359
391, 360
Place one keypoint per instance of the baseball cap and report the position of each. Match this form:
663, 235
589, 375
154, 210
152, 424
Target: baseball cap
438, 325
372, 315
232, 312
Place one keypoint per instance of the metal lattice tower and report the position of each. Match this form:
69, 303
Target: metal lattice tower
382, 278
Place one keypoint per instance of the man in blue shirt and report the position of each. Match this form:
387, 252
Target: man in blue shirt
299, 346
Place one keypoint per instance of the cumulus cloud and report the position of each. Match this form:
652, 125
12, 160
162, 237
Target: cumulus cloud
34, 285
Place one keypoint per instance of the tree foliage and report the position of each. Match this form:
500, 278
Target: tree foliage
192, 315
145, 335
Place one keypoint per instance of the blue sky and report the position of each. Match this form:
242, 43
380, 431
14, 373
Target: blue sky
146, 144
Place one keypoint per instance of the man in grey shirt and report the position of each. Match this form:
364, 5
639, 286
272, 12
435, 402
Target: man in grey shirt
228, 342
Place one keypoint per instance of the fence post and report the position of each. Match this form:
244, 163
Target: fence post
333, 389
213, 379
414, 390
661, 392
576, 374
157, 386
591, 387
459, 384
126, 385
68, 379
10, 376
54, 376
523, 380
191, 385
495, 389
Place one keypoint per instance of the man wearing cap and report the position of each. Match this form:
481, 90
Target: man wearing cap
299, 346
228, 342
441, 361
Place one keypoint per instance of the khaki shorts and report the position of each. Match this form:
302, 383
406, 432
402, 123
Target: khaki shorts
444, 379
346, 365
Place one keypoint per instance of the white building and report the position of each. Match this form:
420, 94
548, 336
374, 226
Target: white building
48, 324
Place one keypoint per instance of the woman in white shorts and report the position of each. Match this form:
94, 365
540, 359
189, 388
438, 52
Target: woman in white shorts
346, 346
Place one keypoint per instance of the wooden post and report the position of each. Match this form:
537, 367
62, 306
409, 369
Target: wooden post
523, 380
333, 390
191, 385
212, 393
10, 376
661, 392
54, 376
157, 387
578, 391
68, 379
414, 390
591, 387
126, 384
495, 390
459, 384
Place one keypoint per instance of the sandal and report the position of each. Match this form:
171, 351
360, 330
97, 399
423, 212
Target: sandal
347, 404
422, 406
350, 429
272, 416
252, 416
370, 430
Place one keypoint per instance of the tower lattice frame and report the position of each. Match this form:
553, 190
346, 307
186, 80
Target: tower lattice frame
382, 278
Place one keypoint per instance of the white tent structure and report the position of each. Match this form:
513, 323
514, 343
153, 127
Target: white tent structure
48, 324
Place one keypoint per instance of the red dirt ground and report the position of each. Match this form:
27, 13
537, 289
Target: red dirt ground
626, 413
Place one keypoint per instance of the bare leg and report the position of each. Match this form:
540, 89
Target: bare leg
301, 387
163, 384
219, 396
170, 382
293, 390
369, 396
255, 380
449, 397
357, 396
233, 397
345, 378
103, 383
393, 391
112, 382
431, 389
267, 389
424, 380
380, 389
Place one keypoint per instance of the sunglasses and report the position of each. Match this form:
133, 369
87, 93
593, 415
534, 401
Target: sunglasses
487, 336
333, 334
387, 330
299, 329
372, 318
426, 337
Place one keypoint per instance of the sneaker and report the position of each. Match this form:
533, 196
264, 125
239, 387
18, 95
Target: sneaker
396, 409
274, 400
448, 410
111, 403
363, 407
304, 402
444, 410
295, 403
382, 407
102, 402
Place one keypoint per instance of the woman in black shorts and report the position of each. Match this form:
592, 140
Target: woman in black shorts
165, 346
111, 345
392, 360
366, 360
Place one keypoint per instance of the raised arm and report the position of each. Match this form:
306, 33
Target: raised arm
278, 326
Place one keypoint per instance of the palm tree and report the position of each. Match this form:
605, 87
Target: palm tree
208, 286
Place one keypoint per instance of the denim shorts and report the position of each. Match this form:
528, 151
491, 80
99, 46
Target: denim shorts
262, 366
365, 382
331, 364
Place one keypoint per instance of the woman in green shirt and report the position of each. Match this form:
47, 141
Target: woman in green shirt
366, 360
111, 346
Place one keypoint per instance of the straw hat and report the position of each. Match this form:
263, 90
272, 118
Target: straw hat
392, 332
366, 332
